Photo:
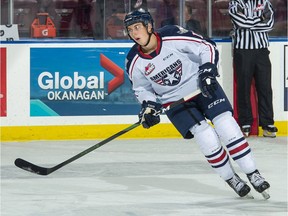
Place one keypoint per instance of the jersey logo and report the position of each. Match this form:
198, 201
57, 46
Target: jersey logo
182, 30
168, 56
170, 76
149, 68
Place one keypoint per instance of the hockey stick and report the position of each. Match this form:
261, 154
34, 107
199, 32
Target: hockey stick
182, 100
30, 167
25, 165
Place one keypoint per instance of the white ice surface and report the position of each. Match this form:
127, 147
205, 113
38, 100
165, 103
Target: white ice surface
152, 177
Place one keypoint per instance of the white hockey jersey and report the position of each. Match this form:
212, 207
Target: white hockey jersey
171, 72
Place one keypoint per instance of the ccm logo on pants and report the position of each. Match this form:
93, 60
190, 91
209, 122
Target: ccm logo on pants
216, 102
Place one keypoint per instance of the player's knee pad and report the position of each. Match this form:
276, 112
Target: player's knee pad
227, 128
205, 137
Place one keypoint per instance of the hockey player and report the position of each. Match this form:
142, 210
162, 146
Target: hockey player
165, 66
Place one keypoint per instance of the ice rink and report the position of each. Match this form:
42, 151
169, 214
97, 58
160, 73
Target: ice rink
151, 177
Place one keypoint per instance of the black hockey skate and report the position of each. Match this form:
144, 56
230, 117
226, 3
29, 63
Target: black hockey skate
259, 183
269, 131
239, 186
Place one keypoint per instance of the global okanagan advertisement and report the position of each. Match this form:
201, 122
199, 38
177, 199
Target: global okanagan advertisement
80, 81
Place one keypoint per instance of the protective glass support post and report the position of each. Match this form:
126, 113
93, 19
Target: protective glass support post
11, 12
209, 13
181, 11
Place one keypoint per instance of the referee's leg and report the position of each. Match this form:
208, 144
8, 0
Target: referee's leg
263, 87
244, 67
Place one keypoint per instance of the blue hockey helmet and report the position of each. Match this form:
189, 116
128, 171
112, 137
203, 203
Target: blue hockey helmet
136, 16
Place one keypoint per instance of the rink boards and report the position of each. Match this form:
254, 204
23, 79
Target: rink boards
79, 90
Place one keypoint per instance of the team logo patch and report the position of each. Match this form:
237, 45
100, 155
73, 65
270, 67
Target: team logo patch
170, 76
149, 68
182, 30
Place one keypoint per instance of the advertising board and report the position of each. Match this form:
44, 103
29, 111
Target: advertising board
80, 81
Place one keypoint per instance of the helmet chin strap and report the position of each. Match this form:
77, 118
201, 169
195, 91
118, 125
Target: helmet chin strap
150, 34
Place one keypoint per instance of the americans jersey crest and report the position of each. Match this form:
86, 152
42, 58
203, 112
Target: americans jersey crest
170, 76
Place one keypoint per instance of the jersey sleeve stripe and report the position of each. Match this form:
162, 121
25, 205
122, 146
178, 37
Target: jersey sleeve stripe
131, 69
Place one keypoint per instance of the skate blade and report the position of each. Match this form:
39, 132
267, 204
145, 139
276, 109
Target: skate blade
246, 134
269, 134
265, 195
248, 196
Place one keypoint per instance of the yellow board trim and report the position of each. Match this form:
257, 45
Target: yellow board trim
86, 132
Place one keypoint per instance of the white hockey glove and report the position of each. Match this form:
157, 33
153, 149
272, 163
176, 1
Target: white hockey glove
207, 79
150, 114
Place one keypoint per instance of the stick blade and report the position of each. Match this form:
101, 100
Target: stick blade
25, 165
